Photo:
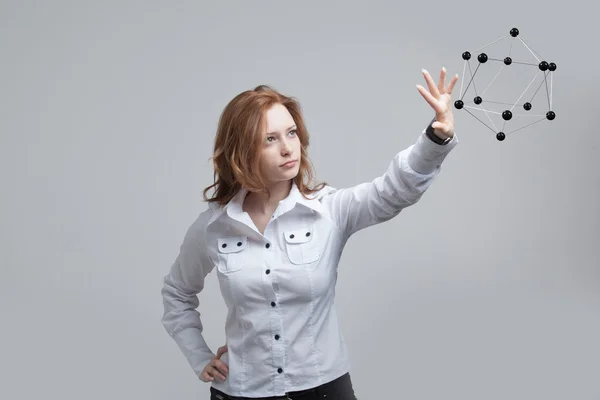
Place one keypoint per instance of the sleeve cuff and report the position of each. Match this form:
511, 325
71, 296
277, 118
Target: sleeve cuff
426, 156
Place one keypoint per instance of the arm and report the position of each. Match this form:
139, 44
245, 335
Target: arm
410, 174
181, 287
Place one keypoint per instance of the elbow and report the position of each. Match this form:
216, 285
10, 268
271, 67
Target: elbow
179, 307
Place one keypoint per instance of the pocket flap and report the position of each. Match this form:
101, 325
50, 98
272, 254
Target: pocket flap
232, 244
300, 235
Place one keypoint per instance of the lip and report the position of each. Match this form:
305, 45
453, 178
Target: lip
290, 163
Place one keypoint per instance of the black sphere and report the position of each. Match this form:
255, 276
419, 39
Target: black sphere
552, 66
466, 55
478, 100
507, 115
482, 58
550, 115
459, 104
500, 136
507, 60
527, 106
514, 32
543, 65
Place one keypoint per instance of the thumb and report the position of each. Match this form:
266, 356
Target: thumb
438, 125
221, 350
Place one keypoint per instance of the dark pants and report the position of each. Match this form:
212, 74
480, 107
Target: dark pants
338, 389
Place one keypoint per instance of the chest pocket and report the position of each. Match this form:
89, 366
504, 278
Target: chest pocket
302, 247
231, 252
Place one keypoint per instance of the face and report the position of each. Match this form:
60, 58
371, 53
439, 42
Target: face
281, 149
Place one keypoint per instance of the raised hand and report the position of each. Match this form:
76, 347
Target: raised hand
440, 99
216, 369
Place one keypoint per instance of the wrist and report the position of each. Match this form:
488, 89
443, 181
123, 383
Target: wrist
430, 133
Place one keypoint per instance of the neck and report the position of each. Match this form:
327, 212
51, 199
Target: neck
262, 203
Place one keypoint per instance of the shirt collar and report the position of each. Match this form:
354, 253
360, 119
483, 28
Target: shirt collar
234, 209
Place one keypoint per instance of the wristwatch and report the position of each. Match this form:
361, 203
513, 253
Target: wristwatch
433, 137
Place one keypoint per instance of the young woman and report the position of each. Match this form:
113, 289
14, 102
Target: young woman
275, 239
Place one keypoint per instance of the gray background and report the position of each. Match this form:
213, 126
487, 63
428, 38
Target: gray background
486, 289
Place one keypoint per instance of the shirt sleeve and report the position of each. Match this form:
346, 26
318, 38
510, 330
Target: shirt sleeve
181, 287
410, 173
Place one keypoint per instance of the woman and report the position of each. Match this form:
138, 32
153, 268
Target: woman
275, 240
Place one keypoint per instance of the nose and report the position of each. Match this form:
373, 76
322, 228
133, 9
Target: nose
286, 147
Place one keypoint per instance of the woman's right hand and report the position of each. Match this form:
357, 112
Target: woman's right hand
215, 369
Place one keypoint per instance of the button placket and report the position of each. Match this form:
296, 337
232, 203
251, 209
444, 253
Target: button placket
277, 345
269, 281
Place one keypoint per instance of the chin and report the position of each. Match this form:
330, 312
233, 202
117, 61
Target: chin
287, 176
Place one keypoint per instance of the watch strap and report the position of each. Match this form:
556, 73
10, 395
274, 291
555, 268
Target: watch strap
433, 137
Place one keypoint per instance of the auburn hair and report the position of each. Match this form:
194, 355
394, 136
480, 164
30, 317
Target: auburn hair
239, 138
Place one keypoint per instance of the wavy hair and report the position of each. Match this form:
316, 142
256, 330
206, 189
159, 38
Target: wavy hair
239, 138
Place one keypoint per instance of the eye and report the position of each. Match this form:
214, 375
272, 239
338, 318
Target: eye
293, 132
270, 138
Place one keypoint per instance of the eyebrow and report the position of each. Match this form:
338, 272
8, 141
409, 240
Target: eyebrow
287, 130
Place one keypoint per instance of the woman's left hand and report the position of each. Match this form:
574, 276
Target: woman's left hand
440, 98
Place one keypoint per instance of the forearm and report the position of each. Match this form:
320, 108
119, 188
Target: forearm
192, 344
182, 322
407, 177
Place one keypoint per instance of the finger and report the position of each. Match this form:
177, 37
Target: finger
432, 88
217, 374
429, 98
452, 83
205, 376
220, 366
442, 82
210, 374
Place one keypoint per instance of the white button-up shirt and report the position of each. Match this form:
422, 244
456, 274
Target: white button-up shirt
282, 329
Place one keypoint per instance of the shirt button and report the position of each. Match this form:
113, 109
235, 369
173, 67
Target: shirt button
279, 370
268, 271
267, 245
276, 337
273, 304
